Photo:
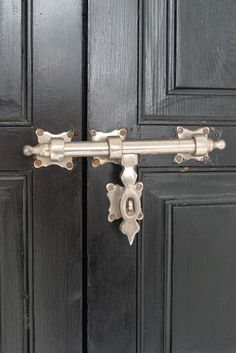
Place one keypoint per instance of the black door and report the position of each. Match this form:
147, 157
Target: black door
40, 211
155, 65
70, 282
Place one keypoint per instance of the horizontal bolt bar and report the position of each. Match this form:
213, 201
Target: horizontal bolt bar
141, 147
151, 147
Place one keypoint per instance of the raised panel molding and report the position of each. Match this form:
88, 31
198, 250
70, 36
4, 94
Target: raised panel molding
15, 257
183, 237
199, 266
169, 85
16, 65
200, 59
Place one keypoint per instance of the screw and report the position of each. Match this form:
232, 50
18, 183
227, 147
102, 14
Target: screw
39, 132
139, 186
37, 163
123, 132
69, 165
112, 217
178, 158
206, 131
180, 130
110, 187
95, 163
70, 134
93, 133
205, 158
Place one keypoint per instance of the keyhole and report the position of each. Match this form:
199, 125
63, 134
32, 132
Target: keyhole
130, 207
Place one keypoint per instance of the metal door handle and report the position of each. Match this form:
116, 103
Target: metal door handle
111, 147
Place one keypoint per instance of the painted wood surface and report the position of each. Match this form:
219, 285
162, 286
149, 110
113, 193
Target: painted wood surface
41, 211
69, 280
152, 66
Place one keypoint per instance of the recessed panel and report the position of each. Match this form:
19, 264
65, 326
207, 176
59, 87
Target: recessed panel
203, 272
187, 263
13, 266
187, 61
13, 58
205, 44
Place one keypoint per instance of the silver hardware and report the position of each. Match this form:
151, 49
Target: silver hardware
50, 149
111, 147
203, 145
114, 141
125, 201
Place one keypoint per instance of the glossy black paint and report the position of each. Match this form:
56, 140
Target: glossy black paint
41, 210
154, 65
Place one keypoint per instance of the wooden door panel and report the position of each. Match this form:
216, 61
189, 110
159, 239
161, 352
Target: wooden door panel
203, 265
15, 237
15, 56
57, 261
187, 258
45, 267
11, 139
57, 193
153, 65
138, 80
205, 42
187, 61
112, 93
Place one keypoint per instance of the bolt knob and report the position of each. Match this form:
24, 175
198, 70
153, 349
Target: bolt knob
220, 144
